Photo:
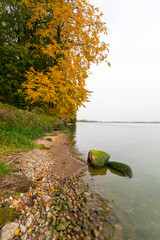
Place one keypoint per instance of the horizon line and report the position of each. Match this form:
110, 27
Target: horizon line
118, 121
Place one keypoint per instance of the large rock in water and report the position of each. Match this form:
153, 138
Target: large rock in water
121, 167
98, 159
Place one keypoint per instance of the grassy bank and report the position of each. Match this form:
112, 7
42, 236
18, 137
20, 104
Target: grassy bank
4, 169
19, 128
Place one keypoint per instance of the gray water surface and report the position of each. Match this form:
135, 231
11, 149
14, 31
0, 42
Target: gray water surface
135, 201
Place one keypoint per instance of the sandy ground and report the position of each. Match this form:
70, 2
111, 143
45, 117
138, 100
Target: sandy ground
53, 155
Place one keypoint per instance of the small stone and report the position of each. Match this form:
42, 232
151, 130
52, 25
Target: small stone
34, 211
30, 202
100, 238
77, 229
68, 237
23, 228
41, 230
24, 237
11, 198
62, 220
4, 204
49, 215
118, 226
87, 194
57, 208
95, 233
108, 209
41, 237
46, 198
99, 228
29, 221
8, 231
40, 220
60, 227
87, 238
47, 209
65, 224
34, 235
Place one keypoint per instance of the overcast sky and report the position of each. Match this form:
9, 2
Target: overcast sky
130, 88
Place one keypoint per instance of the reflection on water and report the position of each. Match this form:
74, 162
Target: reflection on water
103, 171
136, 200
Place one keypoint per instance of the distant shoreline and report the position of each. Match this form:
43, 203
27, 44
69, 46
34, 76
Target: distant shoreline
134, 122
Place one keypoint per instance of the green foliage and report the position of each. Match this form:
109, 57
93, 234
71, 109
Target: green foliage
15, 58
62, 128
4, 169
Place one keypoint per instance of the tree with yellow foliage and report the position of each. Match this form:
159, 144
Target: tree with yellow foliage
68, 39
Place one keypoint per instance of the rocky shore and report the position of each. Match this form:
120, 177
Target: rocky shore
58, 204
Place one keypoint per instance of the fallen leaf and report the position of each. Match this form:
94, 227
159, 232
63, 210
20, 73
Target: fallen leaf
48, 204
17, 232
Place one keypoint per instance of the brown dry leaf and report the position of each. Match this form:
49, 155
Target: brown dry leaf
28, 194
48, 204
47, 233
15, 202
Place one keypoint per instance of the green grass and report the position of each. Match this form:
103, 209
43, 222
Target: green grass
4, 170
19, 128
7, 214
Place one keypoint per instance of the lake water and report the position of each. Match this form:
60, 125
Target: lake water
135, 201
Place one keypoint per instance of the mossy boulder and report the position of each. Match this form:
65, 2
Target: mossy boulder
98, 159
121, 167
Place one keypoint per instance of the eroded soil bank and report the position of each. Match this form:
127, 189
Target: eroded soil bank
50, 198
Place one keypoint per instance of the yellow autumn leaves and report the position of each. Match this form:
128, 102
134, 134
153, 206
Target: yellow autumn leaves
68, 41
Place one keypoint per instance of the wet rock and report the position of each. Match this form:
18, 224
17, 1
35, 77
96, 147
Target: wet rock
122, 168
98, 159
7, 232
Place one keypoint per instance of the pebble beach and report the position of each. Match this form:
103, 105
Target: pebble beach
58, 203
